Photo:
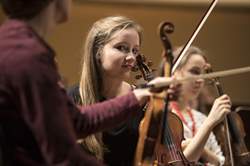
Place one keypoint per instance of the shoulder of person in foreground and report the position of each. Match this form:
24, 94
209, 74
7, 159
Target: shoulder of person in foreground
20, 47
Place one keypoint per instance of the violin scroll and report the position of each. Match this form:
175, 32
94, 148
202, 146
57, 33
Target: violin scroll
166, 28
144, 67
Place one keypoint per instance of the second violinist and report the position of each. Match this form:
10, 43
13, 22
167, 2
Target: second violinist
202, 144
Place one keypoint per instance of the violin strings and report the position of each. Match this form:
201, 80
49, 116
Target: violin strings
170, 143
168, 140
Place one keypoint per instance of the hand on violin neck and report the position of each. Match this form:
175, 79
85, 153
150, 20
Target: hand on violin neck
142, 95
173, 90
220, 108
161, 82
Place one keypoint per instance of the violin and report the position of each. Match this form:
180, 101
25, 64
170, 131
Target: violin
234, 145
161, 131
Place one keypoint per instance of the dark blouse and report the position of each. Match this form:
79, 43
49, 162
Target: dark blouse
38, 121
121, 141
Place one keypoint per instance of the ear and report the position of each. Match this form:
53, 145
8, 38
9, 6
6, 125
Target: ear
98, 57
62, 10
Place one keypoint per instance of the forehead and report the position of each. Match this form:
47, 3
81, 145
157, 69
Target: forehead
196, 60
129, 35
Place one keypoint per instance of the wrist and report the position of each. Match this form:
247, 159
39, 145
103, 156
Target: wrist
209, 124
142, 95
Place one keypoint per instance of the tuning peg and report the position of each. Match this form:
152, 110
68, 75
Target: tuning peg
154, 70
134, 69
143, 58
150, 63
138, 77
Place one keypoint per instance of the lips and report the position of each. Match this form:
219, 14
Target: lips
196, 89
128, 66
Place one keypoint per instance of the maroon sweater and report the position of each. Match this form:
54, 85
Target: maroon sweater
37, 119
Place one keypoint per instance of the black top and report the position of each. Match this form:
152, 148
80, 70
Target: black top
121, 142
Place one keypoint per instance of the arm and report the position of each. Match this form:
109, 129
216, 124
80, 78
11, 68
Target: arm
195, 146
220, 108
108, 114
105, 115
127, 104
44, 109
210, 157
213, 153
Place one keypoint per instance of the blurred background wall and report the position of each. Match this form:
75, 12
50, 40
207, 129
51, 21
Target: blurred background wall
225, 36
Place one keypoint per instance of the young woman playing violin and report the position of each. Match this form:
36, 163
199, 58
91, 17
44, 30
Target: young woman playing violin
109, 54
200, 141
110, 51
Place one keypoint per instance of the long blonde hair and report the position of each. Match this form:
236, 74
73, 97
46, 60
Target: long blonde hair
91, 81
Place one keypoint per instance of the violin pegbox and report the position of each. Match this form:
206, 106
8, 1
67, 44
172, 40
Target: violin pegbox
144, 67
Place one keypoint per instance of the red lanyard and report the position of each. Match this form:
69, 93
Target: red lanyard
174, 106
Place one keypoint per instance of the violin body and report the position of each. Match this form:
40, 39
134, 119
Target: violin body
237, 132
157, 148
242, 155
171, 154
243, 113
232, 137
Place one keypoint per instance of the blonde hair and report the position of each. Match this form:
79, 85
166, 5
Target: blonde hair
191, 51
91, 82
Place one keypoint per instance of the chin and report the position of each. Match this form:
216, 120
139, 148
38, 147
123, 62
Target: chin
191, 95
126, 76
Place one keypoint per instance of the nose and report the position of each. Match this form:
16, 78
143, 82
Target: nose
199, 81
131, 57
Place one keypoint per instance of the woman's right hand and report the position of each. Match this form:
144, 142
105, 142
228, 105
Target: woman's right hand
143, 94
221, 107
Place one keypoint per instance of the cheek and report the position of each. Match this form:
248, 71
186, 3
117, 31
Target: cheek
202, 84
187, 87
111, 62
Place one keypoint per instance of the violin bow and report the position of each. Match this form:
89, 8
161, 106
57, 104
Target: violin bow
193, 36
217, 74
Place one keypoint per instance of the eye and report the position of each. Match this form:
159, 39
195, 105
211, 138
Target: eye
195, 71
135, 51
122, 48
